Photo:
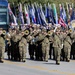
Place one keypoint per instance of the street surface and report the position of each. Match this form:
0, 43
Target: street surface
31, 67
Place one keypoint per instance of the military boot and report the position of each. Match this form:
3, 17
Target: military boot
23, 60
58, 63
1, 61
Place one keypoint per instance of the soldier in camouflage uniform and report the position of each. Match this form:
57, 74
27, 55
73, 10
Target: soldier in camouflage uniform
31, 44
67, 46
15, 41
37, 46
57, 46
62, 39
12, 43
2, 46
39, 49
31, 38
73, 43
23, 47
45, 46
50, 33
8, 43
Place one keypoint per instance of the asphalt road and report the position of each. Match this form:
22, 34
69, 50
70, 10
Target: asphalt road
36, 67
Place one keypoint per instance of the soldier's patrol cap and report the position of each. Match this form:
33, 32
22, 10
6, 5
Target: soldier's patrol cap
50, 24
44, 29
34, 25
22, 31
38, 26
62, 30
58, 29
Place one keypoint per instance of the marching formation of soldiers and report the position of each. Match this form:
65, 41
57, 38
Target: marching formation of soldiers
43, 43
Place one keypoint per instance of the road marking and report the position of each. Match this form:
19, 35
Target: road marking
38, 68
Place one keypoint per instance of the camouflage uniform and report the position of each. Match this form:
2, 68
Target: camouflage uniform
2, 46
8, 43
51, 50
12, 44
57, 48
45, 49
67, 47
31, 40
39, 50
73, 44
61, 37
32, 45
23, 49
15, 48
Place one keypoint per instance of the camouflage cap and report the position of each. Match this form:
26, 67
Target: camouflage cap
44, 29
50, 24
22, 32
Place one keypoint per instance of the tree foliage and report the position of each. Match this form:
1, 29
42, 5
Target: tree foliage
57, 2
42, 1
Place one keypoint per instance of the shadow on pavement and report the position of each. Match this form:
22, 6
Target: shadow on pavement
50, 63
